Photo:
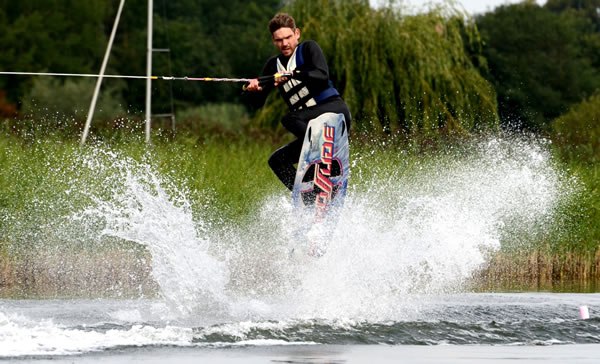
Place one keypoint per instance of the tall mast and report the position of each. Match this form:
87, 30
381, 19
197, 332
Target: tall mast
90, 115
149, 73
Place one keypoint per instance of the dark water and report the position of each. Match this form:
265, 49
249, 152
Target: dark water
116, 329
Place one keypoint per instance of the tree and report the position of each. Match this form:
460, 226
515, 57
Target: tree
589, 12
587, 8
536, 62
43, 36
206, 38
577, 132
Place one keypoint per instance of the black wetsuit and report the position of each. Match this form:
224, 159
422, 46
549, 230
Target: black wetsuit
312, 75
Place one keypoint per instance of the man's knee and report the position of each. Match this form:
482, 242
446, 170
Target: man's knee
295, 125
277, 159
287, 121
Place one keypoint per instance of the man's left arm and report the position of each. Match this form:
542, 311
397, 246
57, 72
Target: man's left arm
314, 69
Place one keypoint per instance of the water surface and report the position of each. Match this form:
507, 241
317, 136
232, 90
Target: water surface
490, 325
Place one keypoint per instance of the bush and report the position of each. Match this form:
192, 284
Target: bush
577, 133
210, 118
64, 104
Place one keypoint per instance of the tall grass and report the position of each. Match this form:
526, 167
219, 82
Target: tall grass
234, 169
576, 137
233, 173
39, 181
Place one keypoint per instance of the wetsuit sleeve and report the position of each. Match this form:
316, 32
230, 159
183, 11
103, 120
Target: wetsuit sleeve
314, 69
257, 99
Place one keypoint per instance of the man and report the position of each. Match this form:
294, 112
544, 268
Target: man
302, 76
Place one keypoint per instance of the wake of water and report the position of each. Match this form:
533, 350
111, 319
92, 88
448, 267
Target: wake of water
56, 328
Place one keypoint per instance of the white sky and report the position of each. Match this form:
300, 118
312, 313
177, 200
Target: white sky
471, 6
481, 6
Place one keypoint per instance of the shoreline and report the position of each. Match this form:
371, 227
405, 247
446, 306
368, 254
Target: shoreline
350, 354
129, 274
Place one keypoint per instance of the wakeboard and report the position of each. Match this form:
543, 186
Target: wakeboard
321, 180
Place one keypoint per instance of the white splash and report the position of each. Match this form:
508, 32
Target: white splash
149, 209
401, 235
21, 336
406, 234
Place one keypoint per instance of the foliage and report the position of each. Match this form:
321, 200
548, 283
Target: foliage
588, 11
64, 104
586, 8
578, 131
539, 62
581, 229
43, 180
414, 74
399, 73
206, 38
576, 137
213, 119
38, 36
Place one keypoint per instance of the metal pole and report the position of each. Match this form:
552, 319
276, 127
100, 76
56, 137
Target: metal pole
149, 73
88, 122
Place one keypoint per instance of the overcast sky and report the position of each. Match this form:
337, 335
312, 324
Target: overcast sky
471, 6
481, 6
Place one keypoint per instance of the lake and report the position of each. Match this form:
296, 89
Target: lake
449, 328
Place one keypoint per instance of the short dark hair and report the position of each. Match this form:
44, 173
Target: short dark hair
281, 20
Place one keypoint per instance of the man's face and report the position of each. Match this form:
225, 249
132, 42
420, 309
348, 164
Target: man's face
286, 40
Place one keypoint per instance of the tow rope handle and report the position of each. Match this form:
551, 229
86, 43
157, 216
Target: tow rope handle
269, 79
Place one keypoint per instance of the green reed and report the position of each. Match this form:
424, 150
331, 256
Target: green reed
228, 177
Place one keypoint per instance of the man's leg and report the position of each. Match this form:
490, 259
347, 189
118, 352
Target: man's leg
296, 122
282, 162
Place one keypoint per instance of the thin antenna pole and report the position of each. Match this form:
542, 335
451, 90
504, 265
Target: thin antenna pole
149, 72
88, 122
165, 17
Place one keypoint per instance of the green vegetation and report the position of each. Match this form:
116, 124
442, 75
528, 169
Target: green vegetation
70, 100
576, 135
568, 256
38, 170
206, 38
422, 75
45, 182
48, 178
540, 61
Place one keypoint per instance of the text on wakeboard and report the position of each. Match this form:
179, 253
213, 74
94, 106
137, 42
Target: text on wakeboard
323, 171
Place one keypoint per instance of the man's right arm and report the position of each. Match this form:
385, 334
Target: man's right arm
256, 93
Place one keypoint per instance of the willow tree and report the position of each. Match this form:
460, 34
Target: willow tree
399, 73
